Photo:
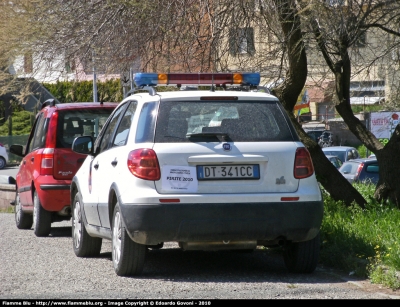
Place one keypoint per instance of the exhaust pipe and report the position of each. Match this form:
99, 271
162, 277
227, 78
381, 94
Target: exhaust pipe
218, 245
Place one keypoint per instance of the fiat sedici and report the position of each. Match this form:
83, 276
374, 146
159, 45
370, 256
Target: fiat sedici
214, 169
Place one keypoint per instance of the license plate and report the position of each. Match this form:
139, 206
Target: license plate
226, 172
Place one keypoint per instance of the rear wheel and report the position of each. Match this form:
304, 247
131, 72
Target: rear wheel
41, 218
127, 256
302, 257
2, 163
23, 220
84, 245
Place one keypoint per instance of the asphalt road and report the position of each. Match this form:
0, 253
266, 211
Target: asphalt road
10, 170
47, 268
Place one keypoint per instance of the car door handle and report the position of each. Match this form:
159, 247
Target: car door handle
96, 166
114, 163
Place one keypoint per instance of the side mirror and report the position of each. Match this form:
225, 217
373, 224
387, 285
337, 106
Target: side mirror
17, 150
83, 145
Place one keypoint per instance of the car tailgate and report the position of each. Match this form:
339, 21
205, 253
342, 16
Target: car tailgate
66, 163
271, 162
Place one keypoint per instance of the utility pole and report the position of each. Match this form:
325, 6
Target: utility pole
94, 77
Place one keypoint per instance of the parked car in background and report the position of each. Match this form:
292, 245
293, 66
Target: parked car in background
372, 156
344, 153
210, 170
3, 156
48, 163
325, 139
314, 134
335, 161
361, 170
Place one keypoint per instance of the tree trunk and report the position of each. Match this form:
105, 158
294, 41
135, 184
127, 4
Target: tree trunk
339, 188
288, 91
388, 187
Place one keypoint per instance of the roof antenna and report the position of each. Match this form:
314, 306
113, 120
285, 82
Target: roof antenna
212, 84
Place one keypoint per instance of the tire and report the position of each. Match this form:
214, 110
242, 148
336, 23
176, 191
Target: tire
127, 256
2, 163
23, 220
41, 218
83, 244
302, 257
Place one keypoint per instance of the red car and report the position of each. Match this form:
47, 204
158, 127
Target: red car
48, 165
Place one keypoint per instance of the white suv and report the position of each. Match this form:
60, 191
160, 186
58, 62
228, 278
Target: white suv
210, 169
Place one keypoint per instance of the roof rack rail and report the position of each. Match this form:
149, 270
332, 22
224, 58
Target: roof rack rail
247, 88
150, 89
49, 102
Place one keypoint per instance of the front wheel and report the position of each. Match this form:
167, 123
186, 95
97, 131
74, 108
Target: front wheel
23, 220
41, 218
127, 256
84, 245
302, 257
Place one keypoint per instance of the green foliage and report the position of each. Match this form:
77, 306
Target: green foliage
364, 242
73, 91
21, 123
363, 151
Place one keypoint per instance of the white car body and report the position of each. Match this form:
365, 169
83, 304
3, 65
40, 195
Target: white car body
3, 156
267, 205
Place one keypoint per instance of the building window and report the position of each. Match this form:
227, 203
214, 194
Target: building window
28, 63
241, 41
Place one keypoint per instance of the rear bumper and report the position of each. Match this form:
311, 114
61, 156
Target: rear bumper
152, 224
53, 194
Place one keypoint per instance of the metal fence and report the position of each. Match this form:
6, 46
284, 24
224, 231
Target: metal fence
9, 140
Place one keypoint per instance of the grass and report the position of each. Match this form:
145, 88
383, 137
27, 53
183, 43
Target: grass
362, 242
9, 209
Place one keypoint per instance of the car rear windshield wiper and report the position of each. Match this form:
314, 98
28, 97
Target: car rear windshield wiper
224, 135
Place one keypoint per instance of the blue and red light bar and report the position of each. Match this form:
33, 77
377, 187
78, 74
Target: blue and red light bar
216, 79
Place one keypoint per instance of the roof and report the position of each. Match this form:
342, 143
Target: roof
80, 105
366, 100
337, 148
363, 160
313, 126
197, 94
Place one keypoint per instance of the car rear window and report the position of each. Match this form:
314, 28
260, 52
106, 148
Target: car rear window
242, 121
74, 123
340, 154
349, 168
372, 168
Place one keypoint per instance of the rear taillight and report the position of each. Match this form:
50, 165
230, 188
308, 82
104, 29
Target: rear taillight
143, 163
303, 166
1, 145
46, 164
51, 135
358, 172
47, 156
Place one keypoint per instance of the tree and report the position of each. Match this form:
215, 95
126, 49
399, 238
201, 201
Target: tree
337, 30
331, 30
290, 89
290, 41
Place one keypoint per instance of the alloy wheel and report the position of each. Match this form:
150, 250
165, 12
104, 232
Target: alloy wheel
77, 224
116, 242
